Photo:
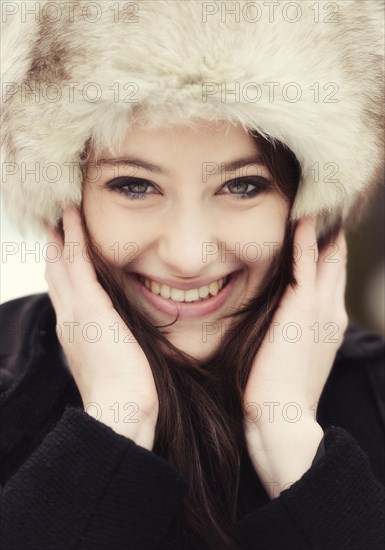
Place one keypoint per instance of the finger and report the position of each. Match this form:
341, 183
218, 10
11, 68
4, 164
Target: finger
341, 283
305, 253
339, 301
56, 272
79, 266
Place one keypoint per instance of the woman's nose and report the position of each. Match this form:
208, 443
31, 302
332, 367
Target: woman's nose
188, 242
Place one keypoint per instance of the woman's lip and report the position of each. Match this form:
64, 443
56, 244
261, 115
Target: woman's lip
187, 310
183, 286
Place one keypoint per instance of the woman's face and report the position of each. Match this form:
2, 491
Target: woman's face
172, 209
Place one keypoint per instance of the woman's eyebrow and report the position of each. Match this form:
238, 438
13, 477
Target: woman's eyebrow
132, 161
235, 164
150, 167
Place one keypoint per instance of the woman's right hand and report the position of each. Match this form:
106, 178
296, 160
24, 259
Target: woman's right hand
110, 369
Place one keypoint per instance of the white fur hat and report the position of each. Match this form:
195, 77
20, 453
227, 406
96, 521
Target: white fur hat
308, 74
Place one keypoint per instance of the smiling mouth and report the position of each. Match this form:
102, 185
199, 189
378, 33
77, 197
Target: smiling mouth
195, 295
187, 310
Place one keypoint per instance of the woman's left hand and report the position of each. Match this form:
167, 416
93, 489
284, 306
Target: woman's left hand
295, 358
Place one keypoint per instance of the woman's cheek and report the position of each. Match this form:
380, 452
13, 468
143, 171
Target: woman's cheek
259, 250
108, 233
122, 240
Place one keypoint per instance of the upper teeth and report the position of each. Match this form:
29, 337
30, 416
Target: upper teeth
178, 295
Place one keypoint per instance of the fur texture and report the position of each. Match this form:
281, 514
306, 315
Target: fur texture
179, 56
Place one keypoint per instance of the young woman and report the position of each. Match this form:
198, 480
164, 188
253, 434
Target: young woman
191, 379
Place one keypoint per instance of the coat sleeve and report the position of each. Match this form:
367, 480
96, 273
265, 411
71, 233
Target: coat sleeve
87, 487
338, 504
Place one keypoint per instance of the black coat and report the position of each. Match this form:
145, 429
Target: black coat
70, 482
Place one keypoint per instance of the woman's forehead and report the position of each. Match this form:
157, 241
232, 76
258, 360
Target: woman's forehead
199, 134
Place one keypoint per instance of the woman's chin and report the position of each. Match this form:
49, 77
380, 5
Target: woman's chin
193, 345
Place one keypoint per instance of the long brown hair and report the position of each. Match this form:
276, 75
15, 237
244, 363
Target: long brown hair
200, 423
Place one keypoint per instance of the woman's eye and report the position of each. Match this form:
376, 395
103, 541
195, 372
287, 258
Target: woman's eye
247, 187
240, 188
133, 188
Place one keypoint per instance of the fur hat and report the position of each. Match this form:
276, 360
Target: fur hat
308, 74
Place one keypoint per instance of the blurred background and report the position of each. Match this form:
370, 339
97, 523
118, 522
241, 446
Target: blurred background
365, 292
22, 265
